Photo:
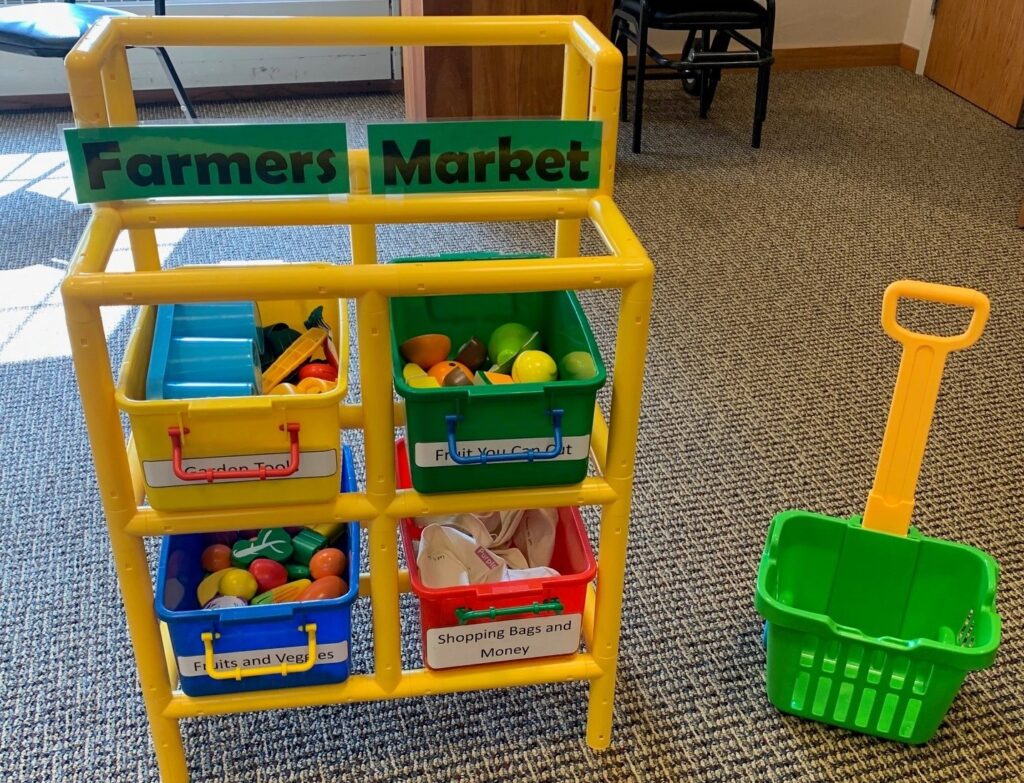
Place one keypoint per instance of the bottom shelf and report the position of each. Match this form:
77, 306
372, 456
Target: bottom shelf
409, 683
416, 682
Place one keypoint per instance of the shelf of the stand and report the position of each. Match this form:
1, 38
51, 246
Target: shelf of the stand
365, 590
414, 682
358, 506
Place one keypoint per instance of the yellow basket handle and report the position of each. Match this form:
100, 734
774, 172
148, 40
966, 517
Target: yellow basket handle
258, 671
891, 501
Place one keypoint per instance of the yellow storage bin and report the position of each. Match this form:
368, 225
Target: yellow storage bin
220, 452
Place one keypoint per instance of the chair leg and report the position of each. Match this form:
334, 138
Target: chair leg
683, 54
641, 65
720, 43
687, 45
760, 104
622, 43
176, 85
704, 74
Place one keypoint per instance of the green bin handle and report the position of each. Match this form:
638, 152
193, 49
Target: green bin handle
466, 615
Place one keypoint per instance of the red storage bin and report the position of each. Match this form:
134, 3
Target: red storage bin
506, 621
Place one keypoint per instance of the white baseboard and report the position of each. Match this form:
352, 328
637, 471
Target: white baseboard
226, 66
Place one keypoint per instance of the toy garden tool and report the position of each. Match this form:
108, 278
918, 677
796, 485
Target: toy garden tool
873, 626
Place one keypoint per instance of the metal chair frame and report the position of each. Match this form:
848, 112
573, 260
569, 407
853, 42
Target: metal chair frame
180, 95
704, 55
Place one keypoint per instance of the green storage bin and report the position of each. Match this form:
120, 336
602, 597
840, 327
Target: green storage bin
870, 631
499, 424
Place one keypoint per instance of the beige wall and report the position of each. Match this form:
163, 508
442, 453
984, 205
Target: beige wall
918, 32
807, 23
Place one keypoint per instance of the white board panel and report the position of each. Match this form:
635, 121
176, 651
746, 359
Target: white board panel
225, 66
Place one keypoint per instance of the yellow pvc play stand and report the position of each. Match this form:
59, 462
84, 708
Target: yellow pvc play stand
101, 94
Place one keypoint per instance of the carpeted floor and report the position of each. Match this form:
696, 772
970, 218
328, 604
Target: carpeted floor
767, 388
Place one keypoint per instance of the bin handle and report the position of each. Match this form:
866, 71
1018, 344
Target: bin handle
465, 615
891, 500
258, 671
529, 455
211, 475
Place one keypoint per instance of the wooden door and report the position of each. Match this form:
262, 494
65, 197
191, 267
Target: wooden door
977, 51
495, 81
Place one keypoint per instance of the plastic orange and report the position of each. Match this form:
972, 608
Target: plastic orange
327, 562
325, 587
441, 369
216, 557
426, 350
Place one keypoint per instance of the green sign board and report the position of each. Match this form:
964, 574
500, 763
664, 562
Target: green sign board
445, 157
161, 161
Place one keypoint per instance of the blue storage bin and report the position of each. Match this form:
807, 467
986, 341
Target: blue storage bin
254, 636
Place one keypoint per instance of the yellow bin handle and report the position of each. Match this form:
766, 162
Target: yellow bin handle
891, 501
258, 671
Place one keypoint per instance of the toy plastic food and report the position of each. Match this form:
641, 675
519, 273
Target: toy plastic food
296, 571
487, 378
324, 587
208, 588
457, 377
225, 602
306, 544
268, 573
237, 582
870, 624
328, 529
327, 562
577, 366
271, 542
216, 557
441, 370
417, 377
284, 388
473, 354
283, 594
320, 370
314, 386
509, 340
534, 367
296, 353
426, 350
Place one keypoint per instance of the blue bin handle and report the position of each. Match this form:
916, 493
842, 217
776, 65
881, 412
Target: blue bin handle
530, 455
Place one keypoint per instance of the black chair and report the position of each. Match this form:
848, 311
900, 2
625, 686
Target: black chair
52, 30
710, 26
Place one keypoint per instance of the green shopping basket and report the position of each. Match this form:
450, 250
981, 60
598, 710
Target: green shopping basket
870, 625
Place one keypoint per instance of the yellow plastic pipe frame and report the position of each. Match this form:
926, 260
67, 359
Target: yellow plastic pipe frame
101, 93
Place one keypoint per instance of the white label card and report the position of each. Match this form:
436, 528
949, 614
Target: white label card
312, 464
435, 454
195, 665
508, 640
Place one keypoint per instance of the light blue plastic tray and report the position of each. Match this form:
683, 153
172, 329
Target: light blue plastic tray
209, 349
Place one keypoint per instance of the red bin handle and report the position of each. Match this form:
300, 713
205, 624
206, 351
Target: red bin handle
209, 476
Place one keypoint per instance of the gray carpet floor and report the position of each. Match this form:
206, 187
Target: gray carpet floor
767, 388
